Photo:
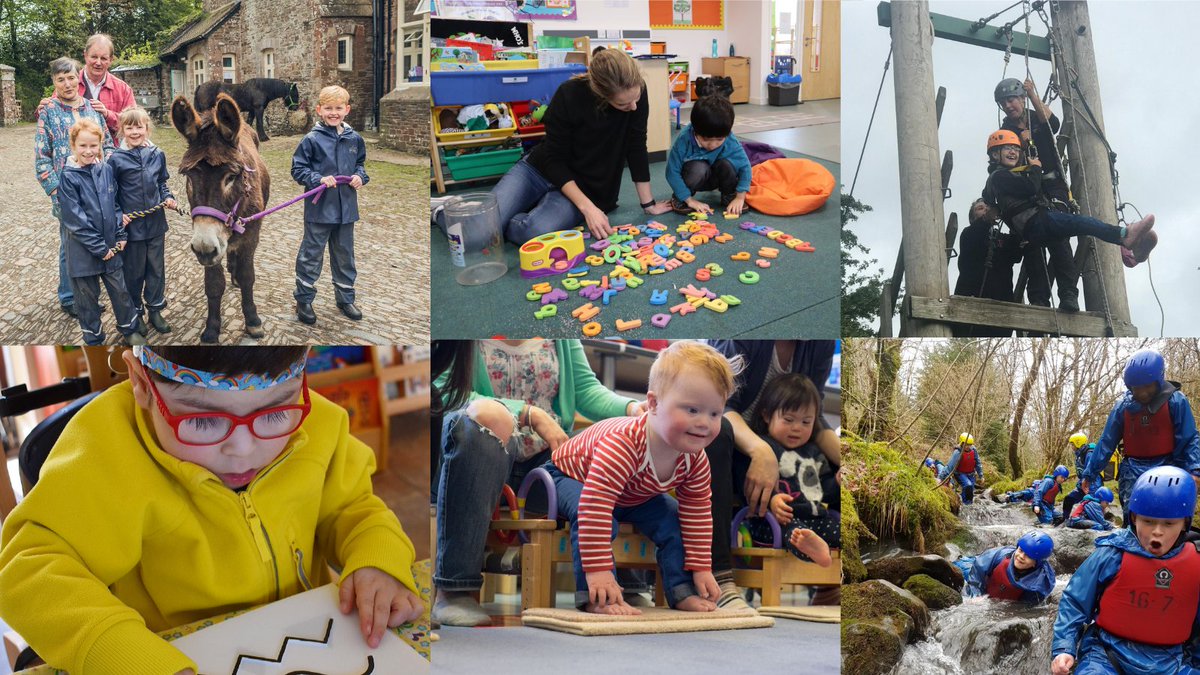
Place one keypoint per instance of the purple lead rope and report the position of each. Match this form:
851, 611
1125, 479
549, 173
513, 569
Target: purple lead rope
237, 223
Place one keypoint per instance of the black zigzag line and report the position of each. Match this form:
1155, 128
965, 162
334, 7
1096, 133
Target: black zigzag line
370, 668
283, 648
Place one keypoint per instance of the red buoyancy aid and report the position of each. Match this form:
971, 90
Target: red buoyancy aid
1051, 492
999, 586
1077, 510
1148, 434
1153, 600
966, 462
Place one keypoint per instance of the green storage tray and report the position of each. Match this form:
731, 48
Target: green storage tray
482, 164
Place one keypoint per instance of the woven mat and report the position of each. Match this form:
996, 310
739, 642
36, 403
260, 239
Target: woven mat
651, 620
818, 613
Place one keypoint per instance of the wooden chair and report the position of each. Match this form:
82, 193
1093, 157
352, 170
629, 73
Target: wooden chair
768, 569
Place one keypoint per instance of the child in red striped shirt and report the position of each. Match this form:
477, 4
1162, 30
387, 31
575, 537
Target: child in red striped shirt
622, 468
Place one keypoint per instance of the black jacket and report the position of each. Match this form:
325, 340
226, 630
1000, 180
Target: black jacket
325, 152
972, 262
92, 216
141, 175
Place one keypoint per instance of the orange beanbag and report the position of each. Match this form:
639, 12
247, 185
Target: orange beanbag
789, 187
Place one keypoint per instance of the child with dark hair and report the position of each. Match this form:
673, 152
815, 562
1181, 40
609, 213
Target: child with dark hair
787, 412
213, 480
707, 156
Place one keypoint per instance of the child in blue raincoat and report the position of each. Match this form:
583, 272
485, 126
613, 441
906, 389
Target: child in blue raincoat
1089, 513
1082, 451
1154, 419
936, 466
1025, 495
966, 467
1046, 493
1020, 572
1134, 604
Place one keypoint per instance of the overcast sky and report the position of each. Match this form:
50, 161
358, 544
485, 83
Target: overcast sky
1147, 56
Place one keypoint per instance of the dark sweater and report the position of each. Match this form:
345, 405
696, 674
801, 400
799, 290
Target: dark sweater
1043, 139
590, 142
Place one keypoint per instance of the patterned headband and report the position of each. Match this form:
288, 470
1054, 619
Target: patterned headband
243, 382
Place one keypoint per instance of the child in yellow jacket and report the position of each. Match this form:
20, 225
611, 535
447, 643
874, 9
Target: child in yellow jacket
212, 481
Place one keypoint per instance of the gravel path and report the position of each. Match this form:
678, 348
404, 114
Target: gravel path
391, 249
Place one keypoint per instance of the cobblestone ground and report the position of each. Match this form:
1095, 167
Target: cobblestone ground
391, 245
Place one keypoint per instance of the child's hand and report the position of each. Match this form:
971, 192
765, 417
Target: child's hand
329, 181
780, 508
706, 585
109, 255
1034, 161
698, 205
356, 181
736, 206
171, 203
603, 588
125, 219
546, 427
382, 602
121, 245
1061, 665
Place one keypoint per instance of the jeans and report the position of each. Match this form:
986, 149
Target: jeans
1048, 225
728, 467
1061, 269
700, 176
66, 296
967, 481
340, 240
531, 206
144, 273
87, 305
656, 518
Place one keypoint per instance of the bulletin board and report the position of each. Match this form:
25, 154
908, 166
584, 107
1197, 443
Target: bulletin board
683, 14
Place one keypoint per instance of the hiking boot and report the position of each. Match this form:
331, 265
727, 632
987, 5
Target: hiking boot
350, 311
69, 310
1068, 304
305, 313
1135, 231
158, 322
680, 207
135, 339
1141, 250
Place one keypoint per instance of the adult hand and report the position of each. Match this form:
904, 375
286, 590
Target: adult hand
99, 106
121, 245
603, 588
658, 208
780, 507
1061, 665
329, 181
42, 106
546, 427
635, 408
736, 206
382, 601
356, 181
698, 205
597, 223
125, 219
706, 585
761, 479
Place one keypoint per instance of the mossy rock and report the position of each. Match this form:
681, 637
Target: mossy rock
852, 529
898, 570
869, 648
932, 592
877, 600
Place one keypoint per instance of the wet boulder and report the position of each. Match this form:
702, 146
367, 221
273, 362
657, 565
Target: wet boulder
869, 648
1072, 547
996, 642
932, 592
898, 570
879, 601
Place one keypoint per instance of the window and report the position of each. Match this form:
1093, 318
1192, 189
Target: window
198, 71
268, 63
410, 55
345, 52
228, 72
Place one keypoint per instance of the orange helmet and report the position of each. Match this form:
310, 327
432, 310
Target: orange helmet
1002, 137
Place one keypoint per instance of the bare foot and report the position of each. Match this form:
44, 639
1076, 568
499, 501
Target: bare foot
810, 544
615, 609
695, 603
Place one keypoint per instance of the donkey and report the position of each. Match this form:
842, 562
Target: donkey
252, 97
226, 178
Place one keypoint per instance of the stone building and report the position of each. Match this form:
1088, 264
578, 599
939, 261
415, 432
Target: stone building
10, 107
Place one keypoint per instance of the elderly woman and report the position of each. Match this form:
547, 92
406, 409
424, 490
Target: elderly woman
52, 147
595, 126
108, 94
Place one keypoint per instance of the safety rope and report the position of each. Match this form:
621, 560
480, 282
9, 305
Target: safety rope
142, 214
887, 63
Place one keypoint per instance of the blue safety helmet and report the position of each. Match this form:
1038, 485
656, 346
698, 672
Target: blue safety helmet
1164, 492
928, 461
1036, 544
1091, 446
1145, 367
1104, 494
1061, 470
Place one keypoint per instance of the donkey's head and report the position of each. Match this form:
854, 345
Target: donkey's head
218, 172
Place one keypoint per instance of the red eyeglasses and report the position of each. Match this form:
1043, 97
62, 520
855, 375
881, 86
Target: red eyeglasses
214, 427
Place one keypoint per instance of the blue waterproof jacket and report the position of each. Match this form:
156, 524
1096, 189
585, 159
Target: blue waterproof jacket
1186, 454
1042, 487
92, 216
1037, 584
141, 175
325, 152
956, 456
1082, 455
1094, 512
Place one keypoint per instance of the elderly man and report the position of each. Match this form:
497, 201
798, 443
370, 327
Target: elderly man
108, 94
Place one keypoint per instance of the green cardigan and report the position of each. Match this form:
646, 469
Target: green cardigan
578, 388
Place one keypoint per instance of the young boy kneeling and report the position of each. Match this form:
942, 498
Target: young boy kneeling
212, 481
706, 156
622, 468
1132, 605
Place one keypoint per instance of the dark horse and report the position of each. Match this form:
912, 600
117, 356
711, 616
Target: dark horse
252, 96
224, 172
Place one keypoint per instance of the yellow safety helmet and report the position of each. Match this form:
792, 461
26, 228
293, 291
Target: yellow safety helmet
1078, 439
964, 437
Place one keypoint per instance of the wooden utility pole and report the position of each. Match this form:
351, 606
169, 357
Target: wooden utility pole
1091, 175
920, 174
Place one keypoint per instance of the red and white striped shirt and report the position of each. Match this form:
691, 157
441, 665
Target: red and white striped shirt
612, 461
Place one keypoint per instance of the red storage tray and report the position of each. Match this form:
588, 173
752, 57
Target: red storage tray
520, 109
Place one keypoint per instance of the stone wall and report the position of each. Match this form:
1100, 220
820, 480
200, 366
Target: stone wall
147, 82
404, 119
10, 107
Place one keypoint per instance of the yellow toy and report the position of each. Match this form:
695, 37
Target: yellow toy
552, 253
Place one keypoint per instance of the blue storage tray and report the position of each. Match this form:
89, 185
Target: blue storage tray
468, 87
